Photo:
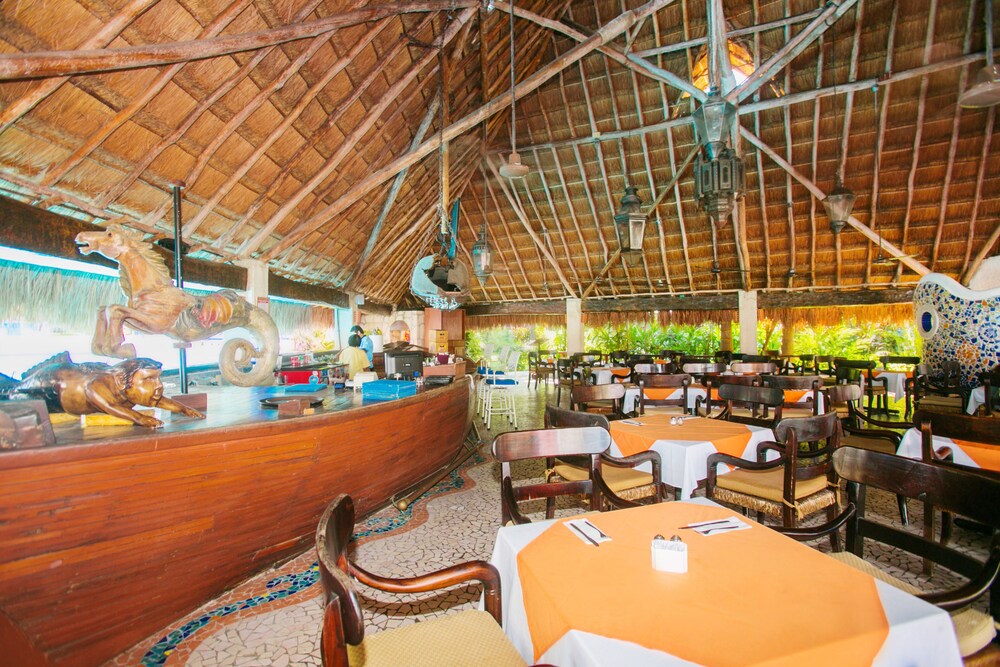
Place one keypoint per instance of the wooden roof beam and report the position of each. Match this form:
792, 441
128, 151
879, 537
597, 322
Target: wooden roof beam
786, 54
91, 61
523, 219
528, 85
390, 96
911, 263
630, 61
986, 248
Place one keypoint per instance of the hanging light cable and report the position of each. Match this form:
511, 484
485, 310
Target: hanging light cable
514, 168
840, 201
482, 256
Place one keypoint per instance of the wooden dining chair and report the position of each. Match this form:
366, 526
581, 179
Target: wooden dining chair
906, 364
800, 482
698, 370
991, 382
565, 376
605, 399
874, 388
649, 369
553, 443
756, 367
808, 383
619, 474
663, 383
940, 391
470, 637
746, 404
964, 492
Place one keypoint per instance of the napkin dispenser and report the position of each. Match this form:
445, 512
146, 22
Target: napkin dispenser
669, 555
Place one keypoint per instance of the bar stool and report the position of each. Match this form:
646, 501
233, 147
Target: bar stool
499, 400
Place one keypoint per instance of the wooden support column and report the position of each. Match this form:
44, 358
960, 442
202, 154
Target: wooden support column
748, 321
788, 337
726, 335
574, 325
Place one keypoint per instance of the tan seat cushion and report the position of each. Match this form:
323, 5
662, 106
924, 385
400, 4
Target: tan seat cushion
618, 479
768, 484
941, 401
456, 640
974, 629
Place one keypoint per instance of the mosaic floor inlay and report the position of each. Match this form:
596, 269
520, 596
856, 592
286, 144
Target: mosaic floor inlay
274, 619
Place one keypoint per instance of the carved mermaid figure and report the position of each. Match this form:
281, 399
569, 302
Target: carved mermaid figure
155, 305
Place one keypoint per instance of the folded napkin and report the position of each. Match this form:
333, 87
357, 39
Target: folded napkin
719, 526
586, 531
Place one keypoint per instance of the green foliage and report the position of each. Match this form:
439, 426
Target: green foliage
858, 340
650, 338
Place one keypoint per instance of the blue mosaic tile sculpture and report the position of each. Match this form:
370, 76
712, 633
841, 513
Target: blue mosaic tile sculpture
958, 324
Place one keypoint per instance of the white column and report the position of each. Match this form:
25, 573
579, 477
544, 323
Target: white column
574, 325
748, 322
257, 283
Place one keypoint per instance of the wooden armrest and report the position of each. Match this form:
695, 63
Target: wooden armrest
822, 530
476, 570
638, 459
507, 497
972, 590
891, 436
769, 445
862, 417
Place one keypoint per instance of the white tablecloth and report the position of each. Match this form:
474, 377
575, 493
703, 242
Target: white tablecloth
685, 462
976, 398
895, 382
919, 633
909, 447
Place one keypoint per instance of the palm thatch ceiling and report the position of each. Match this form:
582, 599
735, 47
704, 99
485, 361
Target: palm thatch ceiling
306, 134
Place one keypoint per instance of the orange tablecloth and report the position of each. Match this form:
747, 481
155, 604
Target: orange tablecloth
986, 456
621, 372
750, 597
727, 437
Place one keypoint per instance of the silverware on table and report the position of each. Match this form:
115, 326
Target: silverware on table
585, 535
720, 529
702, 525
599, 531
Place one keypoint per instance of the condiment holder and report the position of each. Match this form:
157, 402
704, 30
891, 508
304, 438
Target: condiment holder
669, 555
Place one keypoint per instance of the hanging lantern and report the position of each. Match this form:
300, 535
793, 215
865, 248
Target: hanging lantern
839, 204
718, 183
482, 258
630, 222
713, 123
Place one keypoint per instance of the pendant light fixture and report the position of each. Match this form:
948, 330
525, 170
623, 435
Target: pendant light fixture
630, 221
514, 168
482, 256
986, 91
840, 201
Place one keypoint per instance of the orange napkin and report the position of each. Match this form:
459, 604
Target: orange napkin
724, 611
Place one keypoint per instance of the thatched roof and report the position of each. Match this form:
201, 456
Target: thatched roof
308, 131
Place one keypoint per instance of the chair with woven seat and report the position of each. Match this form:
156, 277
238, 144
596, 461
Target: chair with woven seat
960, 491
588, 443
470, 637
619, 474
742, 399
604, 399
540, 369
798, 483
654, 389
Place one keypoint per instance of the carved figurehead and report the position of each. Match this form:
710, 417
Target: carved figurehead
83, 389
156, 306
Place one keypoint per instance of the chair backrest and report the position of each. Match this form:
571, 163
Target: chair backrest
590, 441
695, 368
811, 383
619, 357
722, 357
959, 491
663, 381
649, 369
582, 397
896, 360
822, 434
757, 359
587, 358
841, 394
343, 619
758, 399
685, 360
556, 417
983, 430
823, 363
634, 359
754, 367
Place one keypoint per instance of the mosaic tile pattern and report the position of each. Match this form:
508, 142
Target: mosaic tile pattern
275, 618
958, 324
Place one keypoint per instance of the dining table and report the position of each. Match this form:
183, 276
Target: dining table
750, 596
684, 448
966, 453
696, 391
977, 398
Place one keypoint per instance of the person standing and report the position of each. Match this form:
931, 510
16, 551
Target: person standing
366, 343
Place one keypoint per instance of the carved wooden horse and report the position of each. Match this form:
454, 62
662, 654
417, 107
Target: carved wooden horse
156, 306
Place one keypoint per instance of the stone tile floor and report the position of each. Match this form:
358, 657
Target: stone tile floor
274, 619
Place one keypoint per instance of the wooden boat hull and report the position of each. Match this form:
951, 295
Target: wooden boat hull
105, 542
